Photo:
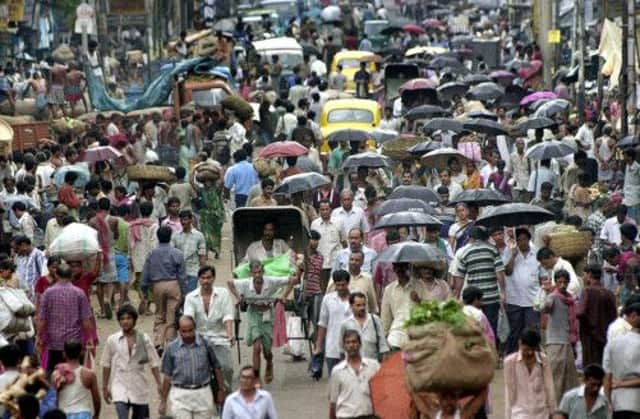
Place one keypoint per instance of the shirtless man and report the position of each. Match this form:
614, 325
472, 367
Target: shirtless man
73, 90
58, 77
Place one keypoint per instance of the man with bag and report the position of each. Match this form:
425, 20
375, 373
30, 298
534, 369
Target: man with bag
369, 326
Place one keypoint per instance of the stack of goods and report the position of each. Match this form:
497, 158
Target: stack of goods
442, 340
148, 172
63, 54
239, 106
208, 171
15, 313
68, 126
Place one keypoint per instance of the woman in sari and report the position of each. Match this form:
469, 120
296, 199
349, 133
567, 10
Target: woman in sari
458, 230
473, 180
211, 209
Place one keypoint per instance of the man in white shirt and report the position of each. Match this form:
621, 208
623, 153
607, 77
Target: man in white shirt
237, 135
584, 137
631, 188
552, 264
445, 180
249, 402
349, 215
213, 309
519, 166
356, 244
331, 239
287, 122
489, 168
610, 231
334, 311
10, 358
539, 176
389, 122
522, 284
360, 281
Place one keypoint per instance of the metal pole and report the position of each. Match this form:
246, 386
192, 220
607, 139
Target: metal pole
580, 99
544, 8
631, 58
624, 87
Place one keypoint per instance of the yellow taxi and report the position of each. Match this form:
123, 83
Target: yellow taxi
358, 114
350, 62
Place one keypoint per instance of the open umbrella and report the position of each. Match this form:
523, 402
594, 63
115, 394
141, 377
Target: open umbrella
413, 29
503, 75
451, 89
535, 123
407, 219
534, 97
283, 149
423, 148
390, 30
102, 153
530, 69
474, 79
482, 113
404, 204
444, 61
414, 192
425, 111
433, 23
553, 107
485, 126
382, 135
412, 252
83, 175
480, 197
348, 135
367, 159
443, 124
439, 159
514, 215
415, 84
301, 182
486, 91
331, 14
549, 150
630, 141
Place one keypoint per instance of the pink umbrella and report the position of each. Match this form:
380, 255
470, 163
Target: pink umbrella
283, 149
529, 70
416, 84
502, 74
433, 23
412, 28
101, 153
534, 97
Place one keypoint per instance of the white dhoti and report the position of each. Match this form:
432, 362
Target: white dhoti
191, 404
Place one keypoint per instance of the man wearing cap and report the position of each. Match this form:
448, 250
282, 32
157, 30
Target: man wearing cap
55, 225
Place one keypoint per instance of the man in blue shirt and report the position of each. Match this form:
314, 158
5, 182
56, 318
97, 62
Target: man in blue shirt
240, 177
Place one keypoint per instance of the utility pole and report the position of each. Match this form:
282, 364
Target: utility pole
545, 10
580, 99
624, 80
631, 58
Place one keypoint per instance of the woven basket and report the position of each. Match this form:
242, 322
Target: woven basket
397, 149
570, 244
150, 172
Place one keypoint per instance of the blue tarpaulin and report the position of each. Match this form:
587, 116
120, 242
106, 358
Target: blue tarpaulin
156, 94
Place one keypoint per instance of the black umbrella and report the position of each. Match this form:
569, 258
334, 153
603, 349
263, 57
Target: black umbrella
535, 123
423, 148
630, 141
404, 204
412, 252
310, 50
407, 219
348, 135
301, 182
367, 159
480, 197
483, 113
485, 126
382, 135
549, 150
443, 124
486, 91
514, 215
552, 107
474, 79
426, 111
458, 71
414, 192
449, 90
443, 61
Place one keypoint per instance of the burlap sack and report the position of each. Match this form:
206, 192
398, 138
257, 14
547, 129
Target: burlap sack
440, 358
63, 54
206, 175
239, 106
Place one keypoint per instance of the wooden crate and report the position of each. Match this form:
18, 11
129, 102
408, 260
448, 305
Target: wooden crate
27, 135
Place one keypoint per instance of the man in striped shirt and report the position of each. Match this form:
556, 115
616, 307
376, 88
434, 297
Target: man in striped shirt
480, 265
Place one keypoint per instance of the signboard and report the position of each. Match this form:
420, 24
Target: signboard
11, 11
126, 7
554, 36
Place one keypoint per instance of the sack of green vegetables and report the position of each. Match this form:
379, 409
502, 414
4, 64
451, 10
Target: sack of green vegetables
446, 351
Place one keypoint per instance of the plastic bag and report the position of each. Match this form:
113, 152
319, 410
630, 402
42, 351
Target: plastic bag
295, 344
503, 326
17, 302
76, 241
279, 266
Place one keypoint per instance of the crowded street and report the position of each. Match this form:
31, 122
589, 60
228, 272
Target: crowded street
353, 209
